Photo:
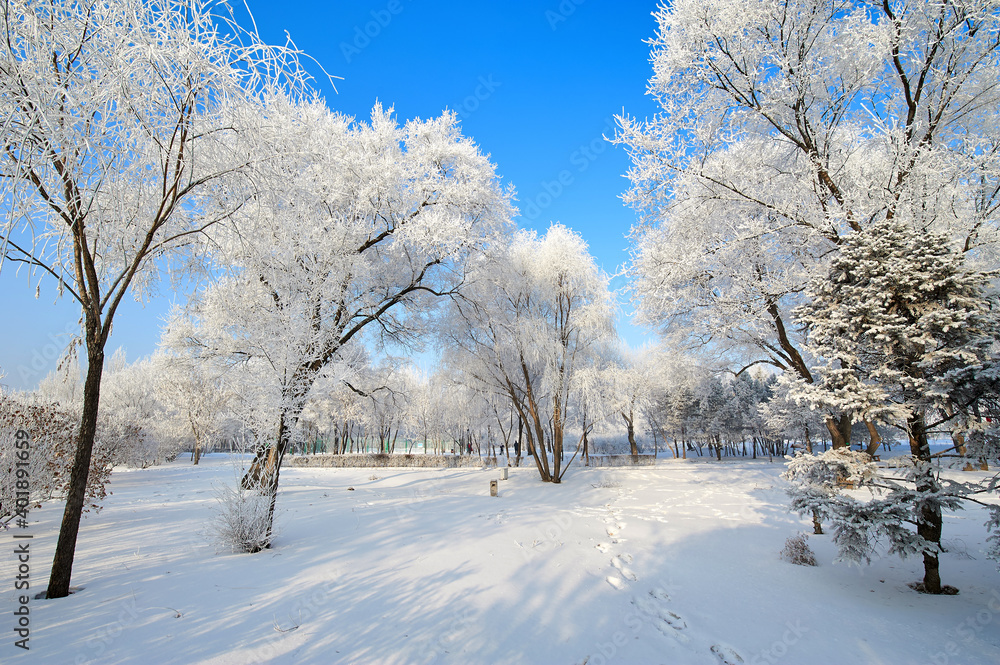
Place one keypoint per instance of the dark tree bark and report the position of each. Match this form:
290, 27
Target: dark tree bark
875, 439
62, 562
630, 425
840, 431
930, 520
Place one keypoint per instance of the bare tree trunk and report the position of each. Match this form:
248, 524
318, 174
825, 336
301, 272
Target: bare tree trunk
959, 440
875, 439
930, 521
62, 562
536, 442
817, 524
557, 440
520, 441
269, 480
840, 431
630, 426
196, 453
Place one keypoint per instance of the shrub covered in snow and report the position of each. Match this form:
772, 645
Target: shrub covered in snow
797, 551
52, 434
243, 522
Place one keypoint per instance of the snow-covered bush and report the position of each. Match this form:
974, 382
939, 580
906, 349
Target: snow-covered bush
243, 522
797, 551
52, 432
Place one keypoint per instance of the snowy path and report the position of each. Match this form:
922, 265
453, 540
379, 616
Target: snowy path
672, 564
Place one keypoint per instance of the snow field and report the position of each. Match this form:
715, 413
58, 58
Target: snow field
676, 563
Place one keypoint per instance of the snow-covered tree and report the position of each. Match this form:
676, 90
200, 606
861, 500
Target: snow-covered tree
532, 315
787, 419
903, 328
117, 116
193, 390
786, 124
424, 412
130, 411
358, 232
630, 383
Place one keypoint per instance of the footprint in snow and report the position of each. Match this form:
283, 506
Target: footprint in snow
619, 563
603, 548
662, 617
614, 529
616, 582
726, 655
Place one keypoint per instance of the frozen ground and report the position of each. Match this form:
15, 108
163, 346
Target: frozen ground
673, 564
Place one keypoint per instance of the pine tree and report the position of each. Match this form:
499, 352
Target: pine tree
904, 327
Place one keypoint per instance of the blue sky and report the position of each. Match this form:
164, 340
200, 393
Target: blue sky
535, 84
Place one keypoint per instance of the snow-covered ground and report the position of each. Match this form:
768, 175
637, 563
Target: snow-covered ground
676, 563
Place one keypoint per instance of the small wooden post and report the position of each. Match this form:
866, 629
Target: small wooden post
503, 473
493, 488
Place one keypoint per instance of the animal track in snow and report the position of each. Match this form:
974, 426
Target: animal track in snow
603, 548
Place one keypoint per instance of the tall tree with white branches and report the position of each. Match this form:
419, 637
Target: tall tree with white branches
117, 116
363, 228
786, 124
534, 315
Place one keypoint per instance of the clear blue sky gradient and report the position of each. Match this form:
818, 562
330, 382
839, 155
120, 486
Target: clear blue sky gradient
535, 84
